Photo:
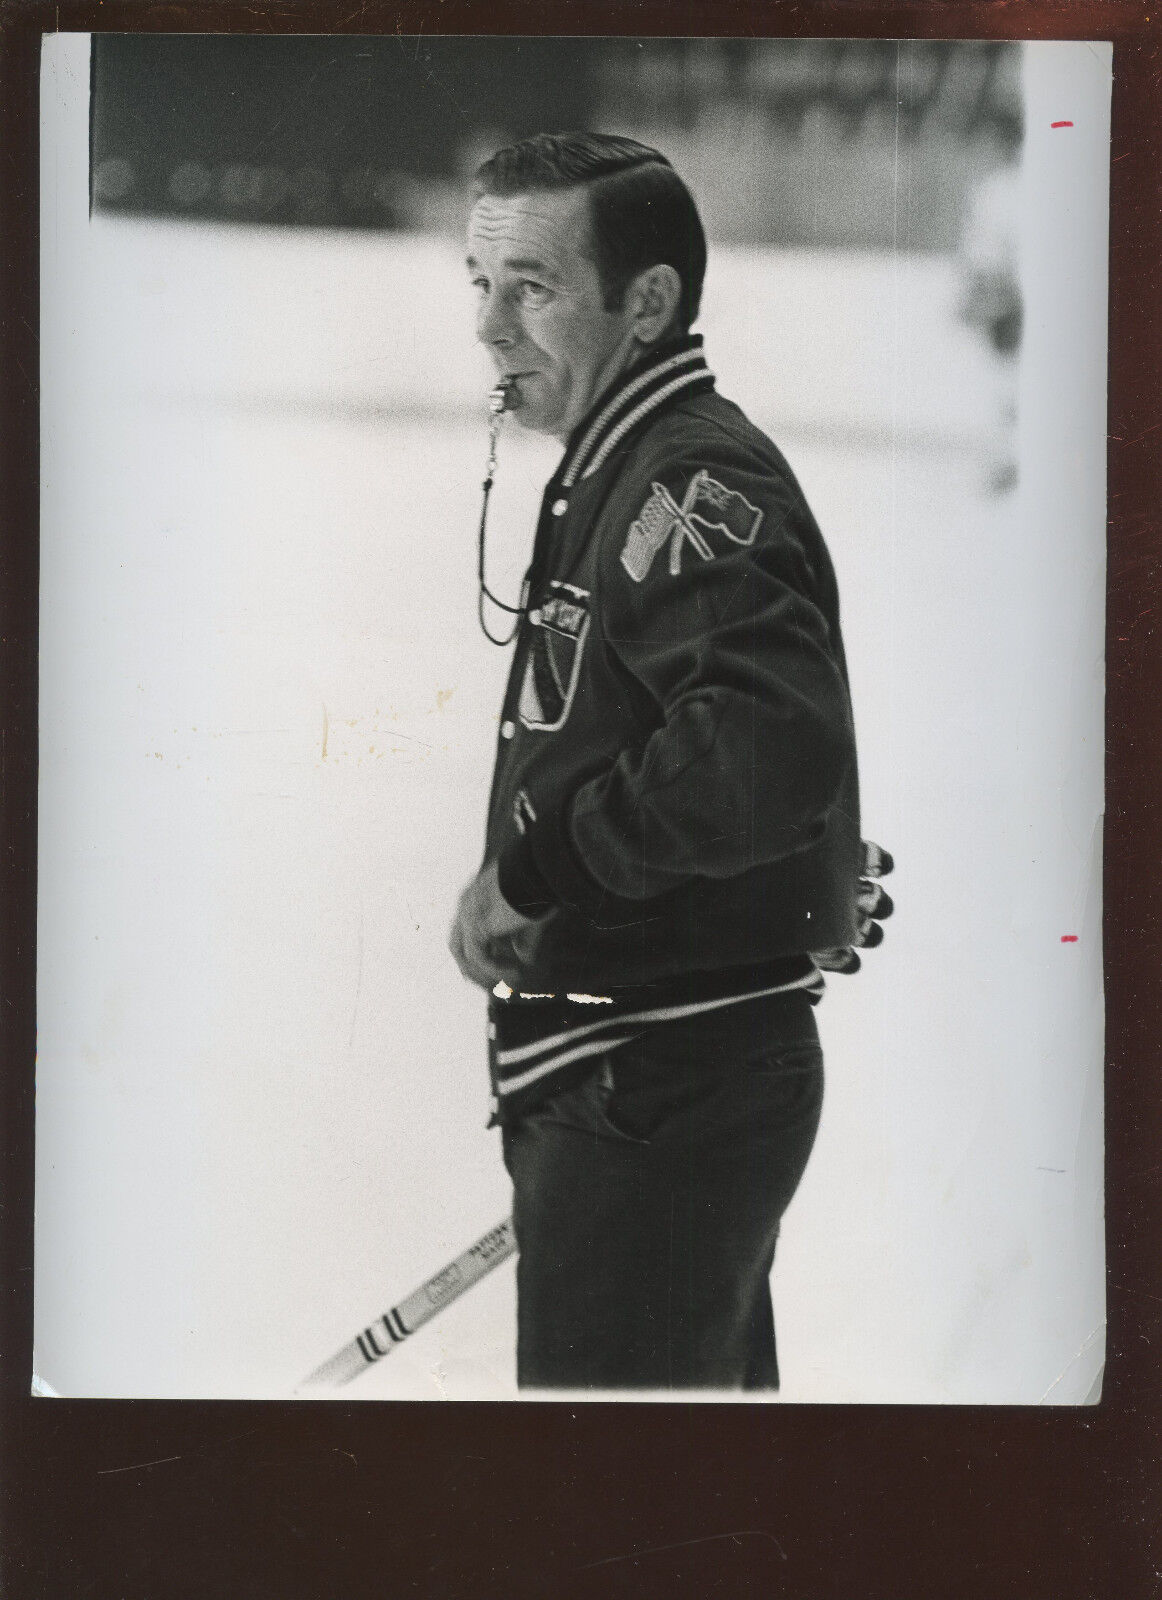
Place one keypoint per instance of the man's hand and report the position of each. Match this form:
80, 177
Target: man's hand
874, 903
489, 939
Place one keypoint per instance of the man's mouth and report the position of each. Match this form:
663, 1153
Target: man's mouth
512, 382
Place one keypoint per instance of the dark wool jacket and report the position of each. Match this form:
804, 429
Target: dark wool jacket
675, 779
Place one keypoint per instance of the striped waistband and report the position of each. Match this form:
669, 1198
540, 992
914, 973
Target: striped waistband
533, 1046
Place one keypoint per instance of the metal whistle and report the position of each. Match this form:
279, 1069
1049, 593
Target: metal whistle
496, 401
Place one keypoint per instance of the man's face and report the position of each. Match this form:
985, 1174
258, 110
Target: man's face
541, 307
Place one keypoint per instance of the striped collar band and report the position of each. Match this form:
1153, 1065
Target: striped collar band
641, 391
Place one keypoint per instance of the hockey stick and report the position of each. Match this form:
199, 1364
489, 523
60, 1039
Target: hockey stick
381, 1338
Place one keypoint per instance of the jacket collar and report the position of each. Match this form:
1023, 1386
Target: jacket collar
675, 367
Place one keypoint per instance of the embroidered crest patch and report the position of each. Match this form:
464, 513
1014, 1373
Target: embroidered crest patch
708, 509
561, 624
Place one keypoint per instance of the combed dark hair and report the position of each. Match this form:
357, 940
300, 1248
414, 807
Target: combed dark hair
642, 213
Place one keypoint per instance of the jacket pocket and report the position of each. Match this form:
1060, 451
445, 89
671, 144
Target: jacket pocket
648, 1101
611, 1116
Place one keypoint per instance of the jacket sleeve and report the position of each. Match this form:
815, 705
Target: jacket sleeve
714, 607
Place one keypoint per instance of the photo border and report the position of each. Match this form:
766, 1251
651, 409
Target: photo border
241, 1500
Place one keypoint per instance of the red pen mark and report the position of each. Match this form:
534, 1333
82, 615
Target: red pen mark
1061, 124
1068, 938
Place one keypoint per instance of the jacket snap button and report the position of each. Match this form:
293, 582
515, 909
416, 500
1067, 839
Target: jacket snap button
507, 729
560, 507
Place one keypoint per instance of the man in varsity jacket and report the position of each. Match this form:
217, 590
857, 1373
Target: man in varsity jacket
673, 844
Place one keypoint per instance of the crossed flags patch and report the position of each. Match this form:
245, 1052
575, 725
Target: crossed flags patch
709, 512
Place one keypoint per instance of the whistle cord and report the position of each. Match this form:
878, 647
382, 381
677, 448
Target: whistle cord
496, 408
485, 593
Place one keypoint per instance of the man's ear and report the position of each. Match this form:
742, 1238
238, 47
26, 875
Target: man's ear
654, 297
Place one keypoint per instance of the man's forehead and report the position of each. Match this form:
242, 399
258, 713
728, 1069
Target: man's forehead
553, 224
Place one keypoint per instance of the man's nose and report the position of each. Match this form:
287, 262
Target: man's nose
495, 324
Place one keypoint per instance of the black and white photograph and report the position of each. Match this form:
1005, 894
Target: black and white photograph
571, 719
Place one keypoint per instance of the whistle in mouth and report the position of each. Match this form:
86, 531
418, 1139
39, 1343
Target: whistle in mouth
498, 396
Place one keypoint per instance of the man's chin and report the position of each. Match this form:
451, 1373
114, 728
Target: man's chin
530, 417
523, 407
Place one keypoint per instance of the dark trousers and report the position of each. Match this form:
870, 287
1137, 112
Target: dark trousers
647, 1205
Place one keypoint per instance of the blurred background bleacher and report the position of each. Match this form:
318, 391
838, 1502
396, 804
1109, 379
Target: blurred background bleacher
380, 132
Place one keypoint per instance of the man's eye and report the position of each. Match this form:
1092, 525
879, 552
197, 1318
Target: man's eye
534, 293
480, 284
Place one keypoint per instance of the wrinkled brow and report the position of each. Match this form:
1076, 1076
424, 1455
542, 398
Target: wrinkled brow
519, 264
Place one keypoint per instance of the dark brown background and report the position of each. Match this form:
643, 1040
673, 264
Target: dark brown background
260, 1501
